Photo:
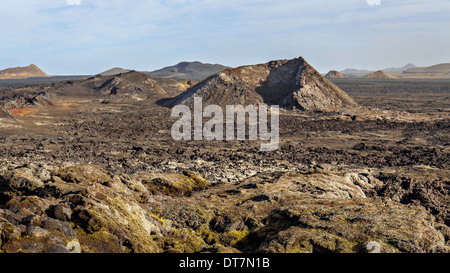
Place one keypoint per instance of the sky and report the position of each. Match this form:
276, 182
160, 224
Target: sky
85, 37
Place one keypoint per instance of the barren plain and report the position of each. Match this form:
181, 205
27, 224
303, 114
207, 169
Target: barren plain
103, 174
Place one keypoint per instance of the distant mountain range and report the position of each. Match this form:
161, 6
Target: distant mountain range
357, 73
439, 71
435, 71
396, 70
192, 71
198, 71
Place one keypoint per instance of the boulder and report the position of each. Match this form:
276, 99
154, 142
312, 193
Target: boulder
20, 181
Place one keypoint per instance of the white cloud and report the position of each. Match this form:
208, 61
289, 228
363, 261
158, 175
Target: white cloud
374, 2
73, 2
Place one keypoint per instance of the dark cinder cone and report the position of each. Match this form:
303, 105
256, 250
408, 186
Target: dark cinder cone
287, 83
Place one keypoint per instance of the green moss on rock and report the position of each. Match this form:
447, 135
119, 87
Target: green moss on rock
82, 173
127, 226
175, 184
184, 241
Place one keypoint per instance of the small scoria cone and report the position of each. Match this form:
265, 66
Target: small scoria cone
380, 74
333, 74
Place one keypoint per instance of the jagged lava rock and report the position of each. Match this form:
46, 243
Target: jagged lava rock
308, 211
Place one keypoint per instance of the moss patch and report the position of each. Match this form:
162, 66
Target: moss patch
175, 184
81, 173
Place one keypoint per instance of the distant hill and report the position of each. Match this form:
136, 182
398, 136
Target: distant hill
395, 70
333, 74
121, 85
380, 74
22, 72
114, 71
195, 71
357, 73
435, 71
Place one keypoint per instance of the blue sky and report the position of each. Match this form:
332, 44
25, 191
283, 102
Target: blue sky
90, 36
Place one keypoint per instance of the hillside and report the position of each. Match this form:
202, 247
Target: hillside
22, 72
